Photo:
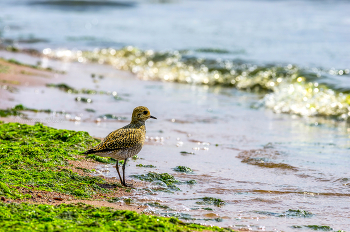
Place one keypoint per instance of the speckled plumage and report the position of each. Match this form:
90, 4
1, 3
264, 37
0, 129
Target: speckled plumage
125, 142
122, 143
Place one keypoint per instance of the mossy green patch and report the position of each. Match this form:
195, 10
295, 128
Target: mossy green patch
113, 199
186, 153
10, 112
288, 213
68, 89
211, 201
90, 110
145, 165
12, 49
17, 111
81, 217
16, 62
166, 178
83, 99
191, 182
128, 201
112, 116
316, 227
36, 157
183, 169
298, 213
158, 205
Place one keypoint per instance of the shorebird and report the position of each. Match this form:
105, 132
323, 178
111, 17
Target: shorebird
125, 142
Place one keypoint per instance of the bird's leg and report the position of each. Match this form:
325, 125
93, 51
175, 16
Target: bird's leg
117, 167
124, 183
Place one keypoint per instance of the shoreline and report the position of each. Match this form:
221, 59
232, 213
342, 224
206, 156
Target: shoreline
191, 143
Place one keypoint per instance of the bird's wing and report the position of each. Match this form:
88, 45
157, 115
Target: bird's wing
118, 139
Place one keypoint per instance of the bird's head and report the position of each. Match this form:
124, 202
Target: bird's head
141, 113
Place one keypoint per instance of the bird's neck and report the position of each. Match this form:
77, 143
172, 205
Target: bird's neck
137, 124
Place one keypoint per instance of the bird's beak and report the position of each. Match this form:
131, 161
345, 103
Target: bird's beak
153, 117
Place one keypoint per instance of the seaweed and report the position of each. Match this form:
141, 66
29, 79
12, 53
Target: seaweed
191, 182
316, 227
36, 157
166, 178
158, 205
83, 99
183, 169
145, 166
288, 213
82, 217
69, 89
186, 153
211, 201
112, 116
16, 62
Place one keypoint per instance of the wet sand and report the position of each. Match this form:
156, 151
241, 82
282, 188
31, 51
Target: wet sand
261, 164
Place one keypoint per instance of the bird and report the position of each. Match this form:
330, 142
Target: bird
125, 142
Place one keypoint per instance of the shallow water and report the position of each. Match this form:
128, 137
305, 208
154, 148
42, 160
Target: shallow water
260, 163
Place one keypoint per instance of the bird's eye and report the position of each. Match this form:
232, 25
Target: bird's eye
145, 112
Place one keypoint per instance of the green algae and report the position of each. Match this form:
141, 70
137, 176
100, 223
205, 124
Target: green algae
16, 62
16, 111
68, 89
10, 192
166, 178
82, 217
145, 165
179, 215
36, 157
316, 227
288, 213
12, 49
186, 153
211, 201
298, 213
158, 205
90, 110
128, 201
190, 182
83, 99
183, 169
112, 116
113, 199
10, 112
